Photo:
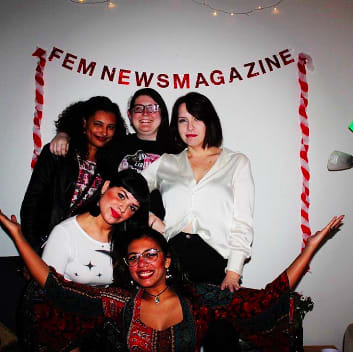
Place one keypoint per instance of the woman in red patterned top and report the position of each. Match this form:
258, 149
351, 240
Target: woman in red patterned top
163, 316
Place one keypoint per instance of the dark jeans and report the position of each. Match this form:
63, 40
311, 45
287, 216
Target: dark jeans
202, 263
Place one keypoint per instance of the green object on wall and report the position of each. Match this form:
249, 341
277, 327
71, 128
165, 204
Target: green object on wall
351, 126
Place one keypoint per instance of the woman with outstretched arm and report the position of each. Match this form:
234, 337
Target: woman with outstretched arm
171, 315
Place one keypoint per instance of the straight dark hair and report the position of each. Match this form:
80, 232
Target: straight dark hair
134, 183
202, 109
163, 134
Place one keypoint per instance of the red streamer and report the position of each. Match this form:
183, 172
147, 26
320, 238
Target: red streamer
303, 60
39, 101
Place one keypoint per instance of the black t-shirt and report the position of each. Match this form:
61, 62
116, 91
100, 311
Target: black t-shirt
137, 154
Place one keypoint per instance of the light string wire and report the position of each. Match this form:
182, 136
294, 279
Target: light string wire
232, 13
85, 2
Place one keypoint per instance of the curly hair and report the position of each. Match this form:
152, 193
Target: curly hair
71, 121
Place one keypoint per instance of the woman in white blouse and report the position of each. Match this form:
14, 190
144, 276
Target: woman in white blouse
208, 195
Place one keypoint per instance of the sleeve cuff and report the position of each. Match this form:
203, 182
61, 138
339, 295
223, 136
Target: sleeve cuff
236, 262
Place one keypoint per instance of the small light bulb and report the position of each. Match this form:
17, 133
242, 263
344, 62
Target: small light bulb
111, 5
232, 14
214, 13
275, 11
259, 7
81, 1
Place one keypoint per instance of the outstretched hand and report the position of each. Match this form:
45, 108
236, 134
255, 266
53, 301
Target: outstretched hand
296, 270
320, 236
11, 225
36, 266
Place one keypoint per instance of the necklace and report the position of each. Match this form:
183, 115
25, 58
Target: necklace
156, 297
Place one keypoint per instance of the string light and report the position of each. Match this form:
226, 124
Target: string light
275, 11
109, 3
215, 10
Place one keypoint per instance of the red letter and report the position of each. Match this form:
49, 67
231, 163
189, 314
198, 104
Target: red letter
186, 80
275, 63
250, 74
163, 80
201, 80
54, 53
109, 74
234, 74
67, 60
262, 66
220, 78
143, 78
122, 75
284, 54
85, 69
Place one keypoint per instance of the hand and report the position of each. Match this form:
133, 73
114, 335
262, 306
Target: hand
156, 223
316, 239
231, 281
11, 225
60, 144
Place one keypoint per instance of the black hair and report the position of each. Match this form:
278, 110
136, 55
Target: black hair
163, 134
71, 121
177, 280
201, 108
134, 183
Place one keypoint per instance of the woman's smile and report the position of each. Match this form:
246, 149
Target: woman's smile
115, 214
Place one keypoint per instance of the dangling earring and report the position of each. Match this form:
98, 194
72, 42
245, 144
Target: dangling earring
168, 274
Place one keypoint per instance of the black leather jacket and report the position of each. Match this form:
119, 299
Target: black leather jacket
48, 195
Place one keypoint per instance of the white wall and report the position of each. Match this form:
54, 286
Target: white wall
259, 115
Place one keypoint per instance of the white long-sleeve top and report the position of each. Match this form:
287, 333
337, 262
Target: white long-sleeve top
219, 206
77, 256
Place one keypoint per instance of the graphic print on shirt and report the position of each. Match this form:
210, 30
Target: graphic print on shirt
138, 161
86, 172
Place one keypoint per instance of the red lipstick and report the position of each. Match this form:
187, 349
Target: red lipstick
115, 214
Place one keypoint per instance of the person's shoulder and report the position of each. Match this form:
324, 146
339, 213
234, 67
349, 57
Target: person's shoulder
67, 225
236, 155
46, 150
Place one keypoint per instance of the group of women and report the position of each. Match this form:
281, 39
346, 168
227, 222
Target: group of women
174, 267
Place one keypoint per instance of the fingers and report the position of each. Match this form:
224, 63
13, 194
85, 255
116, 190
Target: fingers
231, 281
231, 286
60, 144
3, 217
335, 222
14, 219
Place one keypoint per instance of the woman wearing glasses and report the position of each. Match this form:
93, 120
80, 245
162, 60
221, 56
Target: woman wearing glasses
208, 195
166, 313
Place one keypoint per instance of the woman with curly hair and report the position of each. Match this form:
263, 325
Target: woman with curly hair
60, 185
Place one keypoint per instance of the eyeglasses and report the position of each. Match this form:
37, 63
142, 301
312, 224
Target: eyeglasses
148, 256
151, 108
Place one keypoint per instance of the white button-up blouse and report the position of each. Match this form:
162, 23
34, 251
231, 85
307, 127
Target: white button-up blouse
219, 206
